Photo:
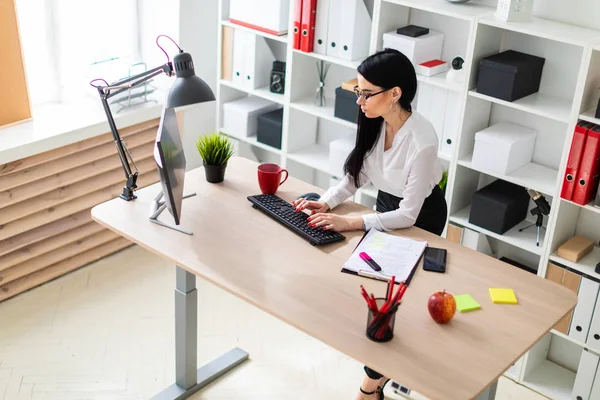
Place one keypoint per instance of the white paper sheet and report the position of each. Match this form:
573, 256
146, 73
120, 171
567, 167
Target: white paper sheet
397, 256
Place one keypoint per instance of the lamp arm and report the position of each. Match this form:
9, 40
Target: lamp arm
105, 94
124, 84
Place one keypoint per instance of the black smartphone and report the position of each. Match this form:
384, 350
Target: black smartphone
434, 259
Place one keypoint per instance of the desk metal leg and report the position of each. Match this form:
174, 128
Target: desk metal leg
490, 392
188, 379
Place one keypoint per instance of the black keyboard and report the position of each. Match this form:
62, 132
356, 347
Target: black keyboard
283, 212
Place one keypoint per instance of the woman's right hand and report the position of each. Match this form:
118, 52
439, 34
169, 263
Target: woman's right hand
314, 206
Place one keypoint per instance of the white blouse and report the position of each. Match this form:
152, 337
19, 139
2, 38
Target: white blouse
409, 169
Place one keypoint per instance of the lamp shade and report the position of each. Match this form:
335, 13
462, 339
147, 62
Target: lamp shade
188, 88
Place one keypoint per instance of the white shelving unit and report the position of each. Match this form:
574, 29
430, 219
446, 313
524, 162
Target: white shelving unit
546, 106
552, 380
282, 38
252, 140
532, 175
589, 116
262, 92
569, 91
308, 106
586, 265
525, 240
315, 156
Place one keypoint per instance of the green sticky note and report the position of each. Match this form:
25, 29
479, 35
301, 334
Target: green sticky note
466, 302
503, 296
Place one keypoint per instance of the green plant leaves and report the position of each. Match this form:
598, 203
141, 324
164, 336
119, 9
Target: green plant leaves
214, 148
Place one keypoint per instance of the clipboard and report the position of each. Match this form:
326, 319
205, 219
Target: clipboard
367, 275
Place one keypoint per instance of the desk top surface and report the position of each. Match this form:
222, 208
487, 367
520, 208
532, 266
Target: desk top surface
250, 255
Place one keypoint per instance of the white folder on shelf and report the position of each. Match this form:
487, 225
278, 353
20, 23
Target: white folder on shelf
437, 115
349, 29
425, 100
258, 62
321, 27
239, 41
588, 364
593, 337
451, 122
582, 316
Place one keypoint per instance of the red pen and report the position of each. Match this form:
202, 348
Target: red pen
370, 303
391, 288
367, 258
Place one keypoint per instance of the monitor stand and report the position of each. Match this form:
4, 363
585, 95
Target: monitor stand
159, 206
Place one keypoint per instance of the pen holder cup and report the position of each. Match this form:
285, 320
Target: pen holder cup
380, 327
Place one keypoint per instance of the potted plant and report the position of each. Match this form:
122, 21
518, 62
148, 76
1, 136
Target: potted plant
215, 150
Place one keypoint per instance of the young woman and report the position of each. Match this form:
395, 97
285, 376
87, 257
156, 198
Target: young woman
396, 150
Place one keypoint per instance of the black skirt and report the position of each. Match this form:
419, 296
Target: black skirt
432, 216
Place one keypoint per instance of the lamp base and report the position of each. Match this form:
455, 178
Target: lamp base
127, 194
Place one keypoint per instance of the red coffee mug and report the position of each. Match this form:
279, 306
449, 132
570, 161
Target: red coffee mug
269, 177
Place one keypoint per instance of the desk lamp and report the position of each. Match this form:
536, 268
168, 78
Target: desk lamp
187, 89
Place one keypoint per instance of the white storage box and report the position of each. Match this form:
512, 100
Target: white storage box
240, 117
269, 16
418, 50
339, 150
503, 147
514, 10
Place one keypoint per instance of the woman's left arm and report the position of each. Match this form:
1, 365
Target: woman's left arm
415, 192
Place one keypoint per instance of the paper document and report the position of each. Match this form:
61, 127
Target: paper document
397, 256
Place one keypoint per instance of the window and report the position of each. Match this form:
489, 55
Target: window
67, 43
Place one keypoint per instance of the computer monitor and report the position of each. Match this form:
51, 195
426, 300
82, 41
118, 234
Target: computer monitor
170, 160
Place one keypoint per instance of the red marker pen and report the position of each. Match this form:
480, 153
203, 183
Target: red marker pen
370, 261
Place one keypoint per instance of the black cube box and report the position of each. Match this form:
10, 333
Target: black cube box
510, 75
499, 206
269, 128
345, 105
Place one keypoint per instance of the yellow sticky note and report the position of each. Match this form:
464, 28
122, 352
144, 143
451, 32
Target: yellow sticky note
503, 296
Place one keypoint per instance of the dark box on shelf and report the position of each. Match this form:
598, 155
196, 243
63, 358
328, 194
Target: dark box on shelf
499, 206
270, 127
510, 75
598, 110
345, 105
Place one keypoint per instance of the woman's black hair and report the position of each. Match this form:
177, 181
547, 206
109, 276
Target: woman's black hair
387, 69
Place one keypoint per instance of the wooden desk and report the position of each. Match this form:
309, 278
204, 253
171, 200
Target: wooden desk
258, 260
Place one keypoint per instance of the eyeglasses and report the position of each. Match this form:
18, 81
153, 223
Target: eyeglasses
364, 95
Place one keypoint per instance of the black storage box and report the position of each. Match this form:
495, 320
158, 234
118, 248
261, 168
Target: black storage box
598, 109
345, 105
269, 127
499, 206
510, 75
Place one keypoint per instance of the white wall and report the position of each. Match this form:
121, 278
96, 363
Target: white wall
156, 18
584, 13
193, 25
198, 36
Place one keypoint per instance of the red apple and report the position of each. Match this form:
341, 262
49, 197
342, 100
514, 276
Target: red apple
442, 307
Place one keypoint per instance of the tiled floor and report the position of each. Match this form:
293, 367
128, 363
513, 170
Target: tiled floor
106, 332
